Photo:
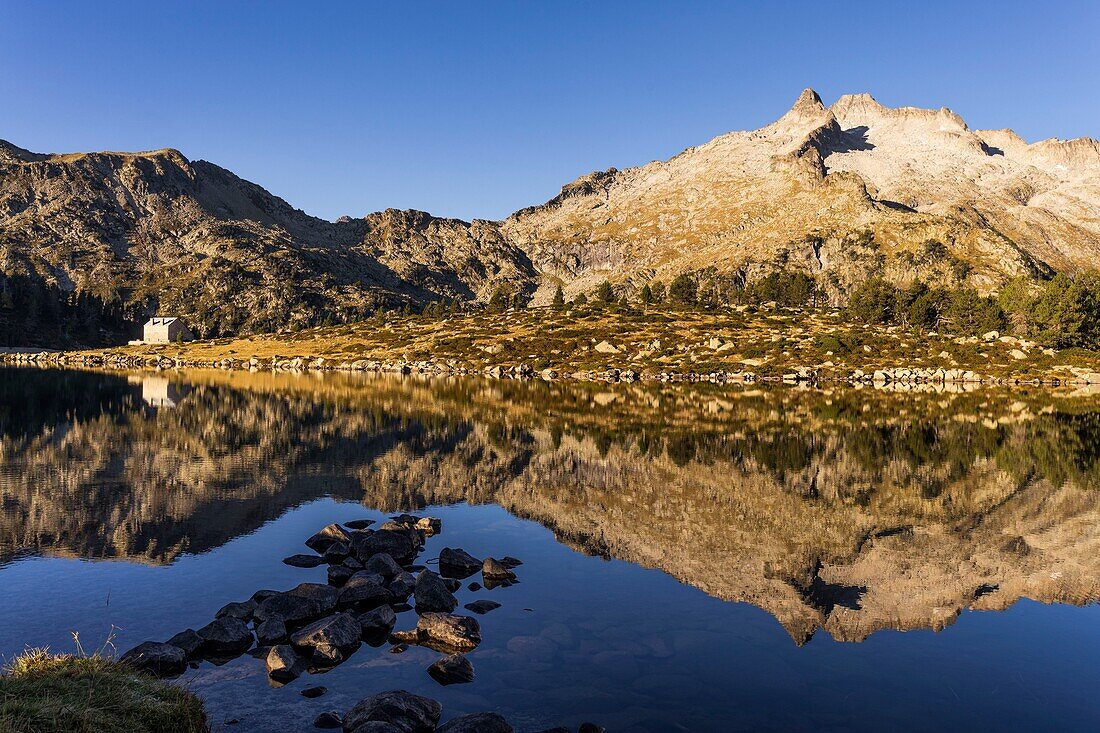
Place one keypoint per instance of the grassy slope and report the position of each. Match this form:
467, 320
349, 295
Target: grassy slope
764, 342
44, 693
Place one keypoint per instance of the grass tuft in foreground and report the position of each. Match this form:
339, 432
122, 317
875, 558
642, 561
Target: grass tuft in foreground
50, 693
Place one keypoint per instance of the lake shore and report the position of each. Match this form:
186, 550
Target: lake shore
623, 344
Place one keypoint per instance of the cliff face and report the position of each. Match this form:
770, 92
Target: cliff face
841, 192
843, 513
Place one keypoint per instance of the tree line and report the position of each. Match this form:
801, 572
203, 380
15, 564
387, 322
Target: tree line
34, 313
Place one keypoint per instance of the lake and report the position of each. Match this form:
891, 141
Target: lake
694, 558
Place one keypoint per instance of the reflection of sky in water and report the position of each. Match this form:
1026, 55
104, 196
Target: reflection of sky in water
891, 509
605, 640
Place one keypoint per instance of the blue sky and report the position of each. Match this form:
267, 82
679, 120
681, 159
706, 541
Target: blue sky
475, 109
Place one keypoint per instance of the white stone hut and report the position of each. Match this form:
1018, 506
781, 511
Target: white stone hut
166, 330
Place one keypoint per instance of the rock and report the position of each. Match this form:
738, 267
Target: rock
495, 570
407, 712
283, 664
510, 562
457, 563
474, 586
338, 575
331, 639
452, 669
460, 633
156, 658
366, 590
402, 586
605, 347
188, 640
1017, 354
312, 692
406, 636
325, 595
327, 536
225, 636
271, 631
242, 610
304, 561
359, 523
399, 648
337, 552
379, 622
452, 584
476, 723
590, 728
991, 336
291, 610
482, 607
328, 720
378, 726
431, 594
384, 565
401, 545
262, 595
430, 525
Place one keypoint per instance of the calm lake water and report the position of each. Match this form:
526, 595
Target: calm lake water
695, 559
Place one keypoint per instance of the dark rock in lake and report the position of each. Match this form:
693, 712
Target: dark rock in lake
330, 640
474, 586
353, 563
407, 636
401, 545
283, 664
402, 586
431, 594
338, 575
458, 633
316, 691
271, 631
452, 669
225, 636
378, 726
188, 640
482, 607
457, 563
156, 658
476, 723
559, 729
591, 728
327, 536
430, 525
359, 523
365, 590
290, 609
384, 565
406, 520
408, 712
242, 610
335, 553
399, 648
304, 561
325, 595
328, 720
493, 570
510, 562
452, 584
378, 622
262, 595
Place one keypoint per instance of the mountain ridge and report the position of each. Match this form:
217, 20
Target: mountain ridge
841, 192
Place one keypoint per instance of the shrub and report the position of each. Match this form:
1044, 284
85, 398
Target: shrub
786, 288
874, 301
605, 292
683, 289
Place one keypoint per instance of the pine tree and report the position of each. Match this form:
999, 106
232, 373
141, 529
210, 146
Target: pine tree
559, 298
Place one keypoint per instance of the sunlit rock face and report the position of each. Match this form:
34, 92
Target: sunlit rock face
848, 511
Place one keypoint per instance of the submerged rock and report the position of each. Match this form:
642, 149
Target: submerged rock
482, 607
452, 669
304, 561
330, 640
476, 723
156, 658
460, 633
407, 712
283, 664
457, 563
225, 636
315, 691
359, 523
431, 594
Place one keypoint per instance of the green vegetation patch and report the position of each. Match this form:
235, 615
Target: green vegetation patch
47, 693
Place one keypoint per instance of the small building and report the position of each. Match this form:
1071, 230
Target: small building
166, 330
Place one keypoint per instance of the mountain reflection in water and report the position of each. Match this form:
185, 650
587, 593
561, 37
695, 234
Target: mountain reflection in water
847, 510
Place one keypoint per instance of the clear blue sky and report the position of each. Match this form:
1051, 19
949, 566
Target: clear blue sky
474, 109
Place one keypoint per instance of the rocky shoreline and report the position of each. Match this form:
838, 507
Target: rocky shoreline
315, 627
895, 376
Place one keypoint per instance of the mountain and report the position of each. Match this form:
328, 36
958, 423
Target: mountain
840, 192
